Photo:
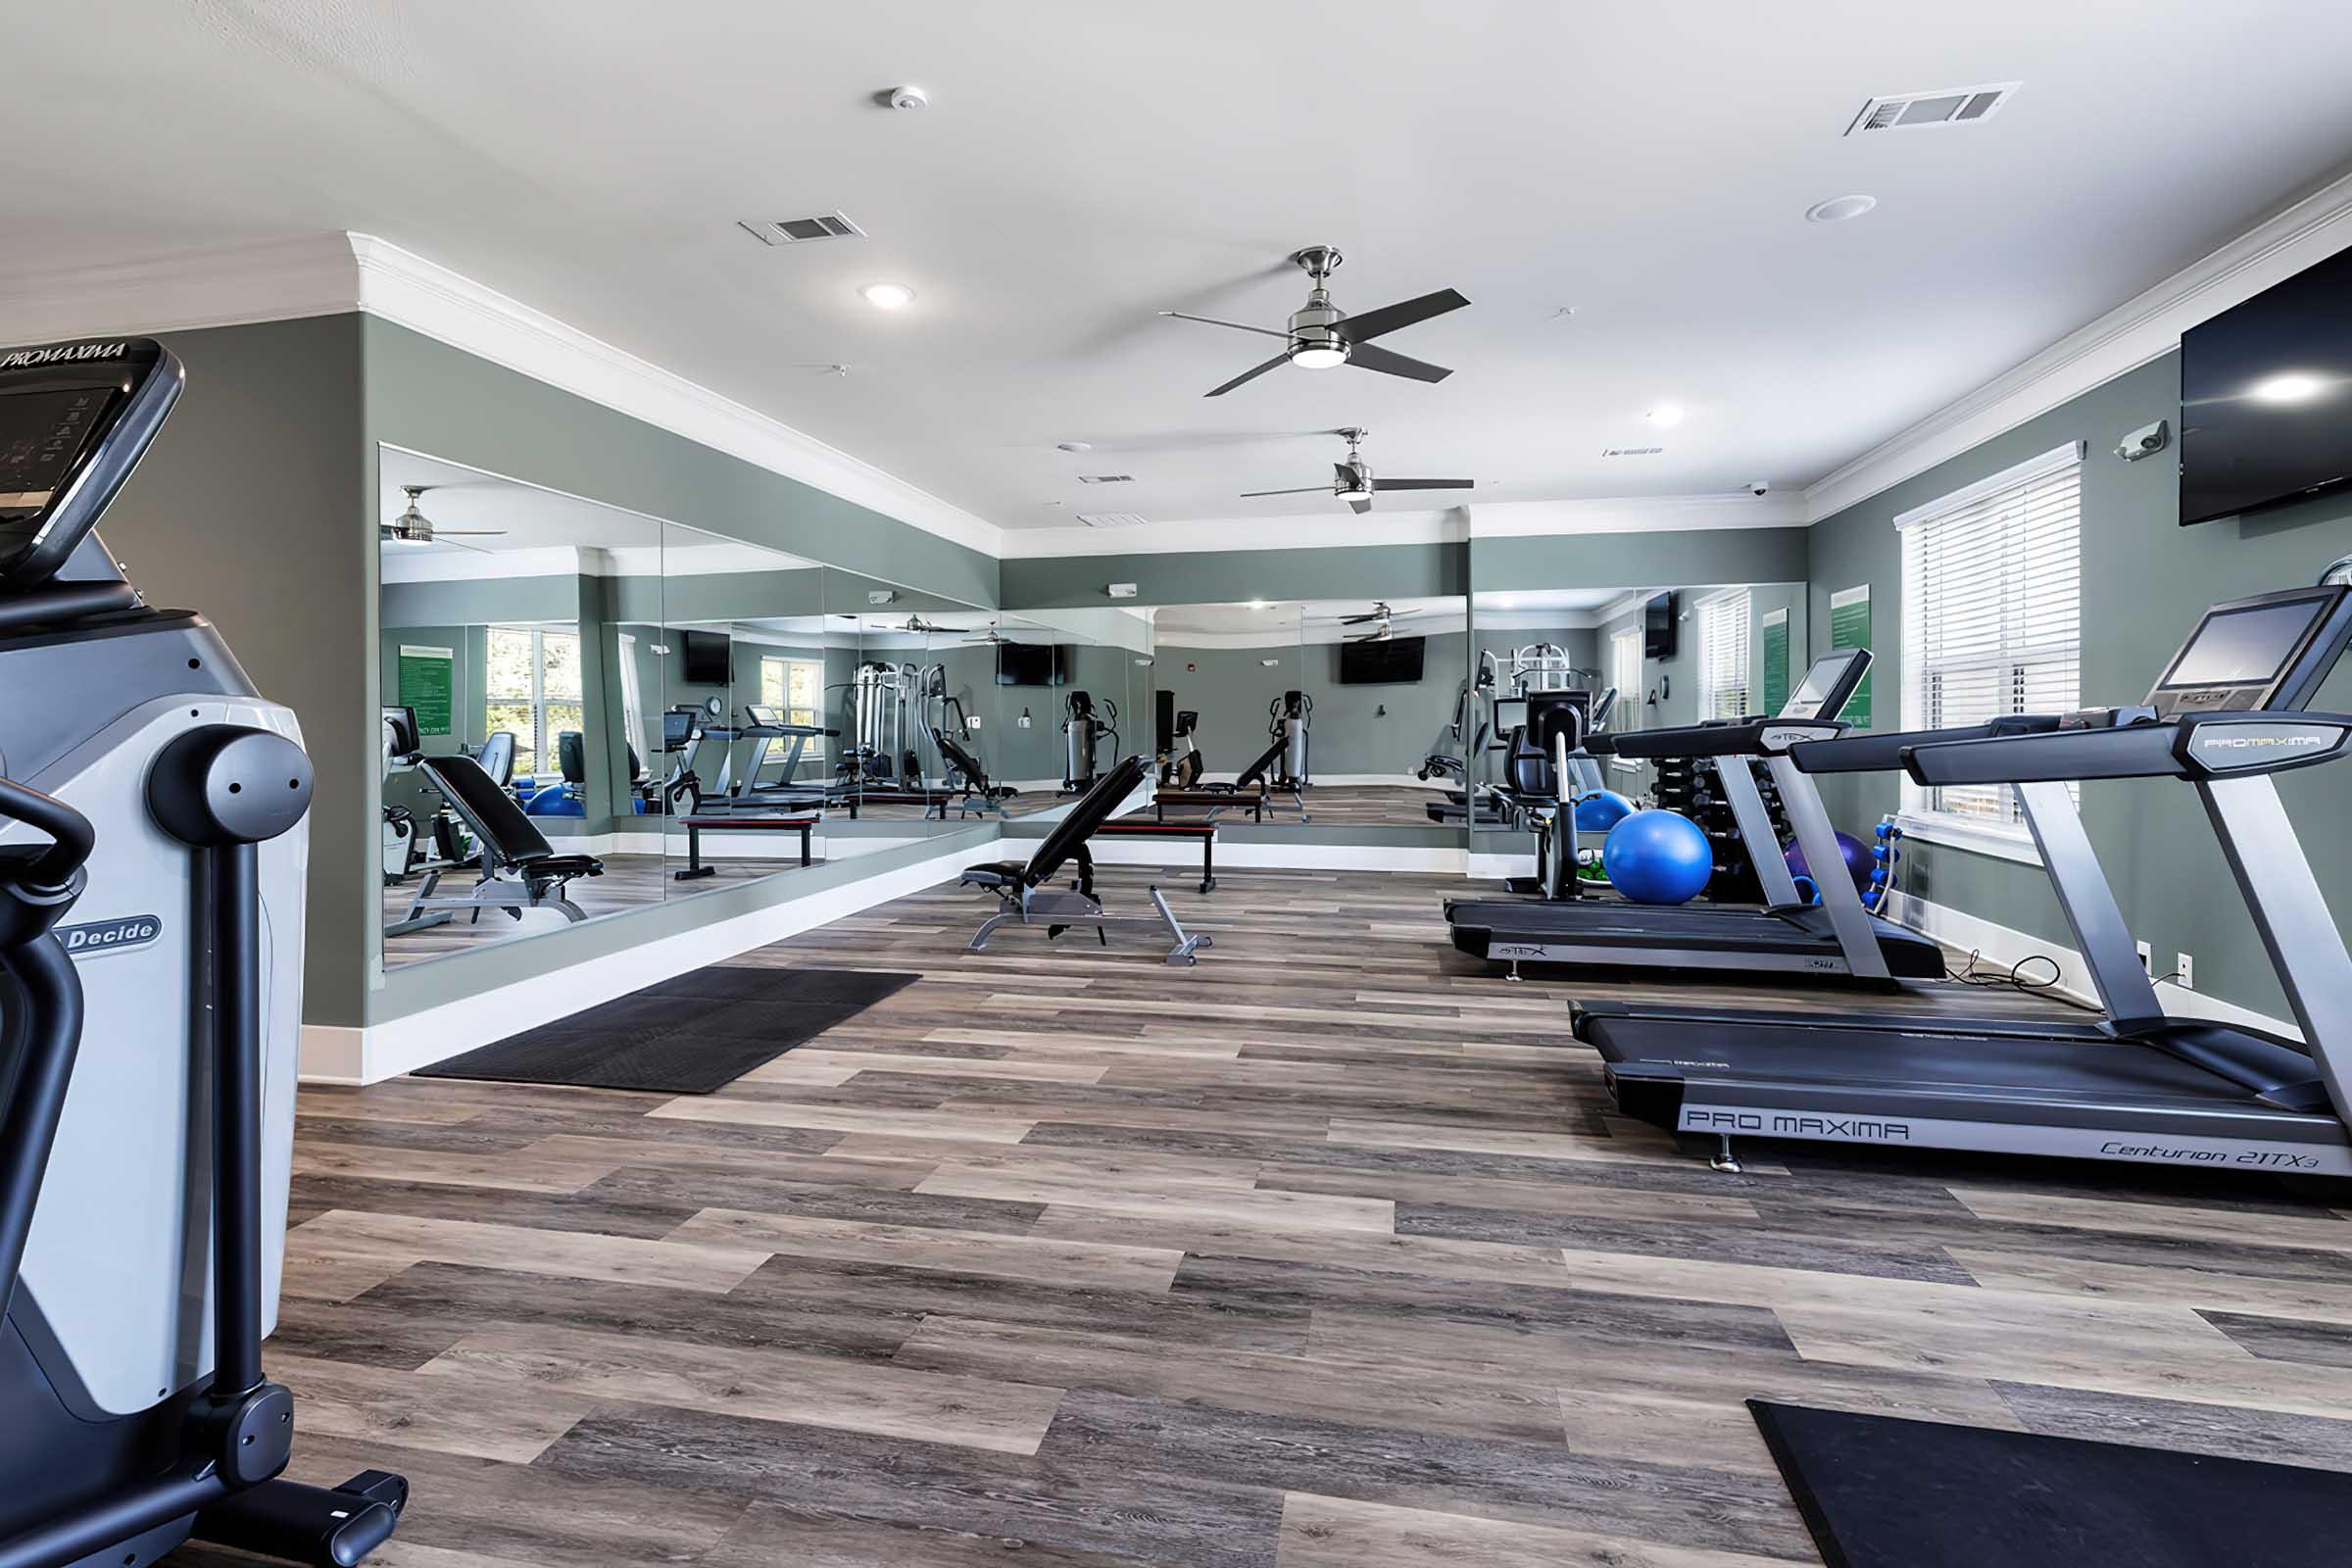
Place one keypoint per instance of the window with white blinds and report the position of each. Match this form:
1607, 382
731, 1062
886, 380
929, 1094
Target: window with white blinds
1992, 618
1723, 656
1625, 673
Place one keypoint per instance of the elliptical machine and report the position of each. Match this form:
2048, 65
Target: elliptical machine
151, 823
1083, 731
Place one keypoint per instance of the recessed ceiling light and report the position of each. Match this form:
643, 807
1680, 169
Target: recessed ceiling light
2293, 387
1838, 209
888, 296
1073, 446
1262, 603
1665, 415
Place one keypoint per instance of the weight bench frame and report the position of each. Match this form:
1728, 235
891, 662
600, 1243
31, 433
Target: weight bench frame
1206, 832
697, 826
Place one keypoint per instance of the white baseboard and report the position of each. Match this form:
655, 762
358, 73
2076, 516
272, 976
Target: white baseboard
2003, 945
332, 1053
1498, 868
404, 1044
1400, 781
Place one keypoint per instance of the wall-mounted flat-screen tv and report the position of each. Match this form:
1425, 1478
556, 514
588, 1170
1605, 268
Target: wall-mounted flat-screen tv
1032, 664
702, 657
2266, 396
1660, 624
1382, 662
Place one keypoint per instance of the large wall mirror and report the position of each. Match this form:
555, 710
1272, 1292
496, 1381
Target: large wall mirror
507, 746
1346, 714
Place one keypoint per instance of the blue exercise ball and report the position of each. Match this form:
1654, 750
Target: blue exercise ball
1656, 857
1601, 811
1855, 852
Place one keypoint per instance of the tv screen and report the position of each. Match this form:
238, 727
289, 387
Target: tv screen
1032, 664
2266, 396
1659, 623
702, 657
1388, 662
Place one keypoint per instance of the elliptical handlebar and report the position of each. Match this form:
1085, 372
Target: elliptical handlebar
70, 834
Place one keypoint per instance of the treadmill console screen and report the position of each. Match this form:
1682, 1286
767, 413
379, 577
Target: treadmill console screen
762, 716
1510, 714
42, 434
1828, 683
2255, 653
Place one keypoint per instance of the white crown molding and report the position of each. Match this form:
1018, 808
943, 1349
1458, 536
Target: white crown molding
2142, 329
330, 274
428, 298
472, 566
1448, 527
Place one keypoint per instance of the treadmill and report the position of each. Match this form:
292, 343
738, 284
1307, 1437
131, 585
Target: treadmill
1834, 939
2137, 1086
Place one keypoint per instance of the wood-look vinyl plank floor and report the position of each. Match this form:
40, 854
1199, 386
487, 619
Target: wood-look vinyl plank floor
1331, 1251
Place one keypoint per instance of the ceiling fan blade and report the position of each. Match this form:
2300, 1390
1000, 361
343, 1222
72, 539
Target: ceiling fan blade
1237, 326
1251, 374
1310, 490
1404, 312
470, 533
1424, 484
1372, 357
1360, 505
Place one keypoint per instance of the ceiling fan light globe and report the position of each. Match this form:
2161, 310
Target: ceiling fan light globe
1318, 357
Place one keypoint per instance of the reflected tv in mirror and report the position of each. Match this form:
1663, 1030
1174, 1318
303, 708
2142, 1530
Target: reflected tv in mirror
702, 657
2266, 396
1382, 662
1032, 664
1659, 622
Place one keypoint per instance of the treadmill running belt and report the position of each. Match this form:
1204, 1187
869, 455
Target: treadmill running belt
1879, 1492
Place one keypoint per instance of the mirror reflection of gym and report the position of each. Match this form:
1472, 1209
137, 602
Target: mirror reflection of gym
1324, 711
504, 759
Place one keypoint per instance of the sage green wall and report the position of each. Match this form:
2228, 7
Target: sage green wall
1220, 576
2145, 583
252, 507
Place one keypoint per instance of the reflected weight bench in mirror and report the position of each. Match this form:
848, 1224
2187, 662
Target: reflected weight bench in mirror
1219, 798
697, 826
520, 870
1026, 900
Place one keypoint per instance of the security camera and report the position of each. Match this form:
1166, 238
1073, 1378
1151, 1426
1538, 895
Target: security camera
1757, 487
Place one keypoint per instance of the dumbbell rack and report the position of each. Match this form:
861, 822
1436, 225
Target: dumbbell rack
1689, 786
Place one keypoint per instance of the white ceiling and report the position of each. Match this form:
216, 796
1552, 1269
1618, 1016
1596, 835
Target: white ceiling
1086, 165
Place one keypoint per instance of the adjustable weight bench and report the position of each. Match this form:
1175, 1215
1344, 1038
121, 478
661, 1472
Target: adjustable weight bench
1023, 899
1206, 832
1219, 797
520, 869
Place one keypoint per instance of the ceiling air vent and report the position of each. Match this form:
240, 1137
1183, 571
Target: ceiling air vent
1950, 106
800, 231
1113, 519
1630, 452
1106, 479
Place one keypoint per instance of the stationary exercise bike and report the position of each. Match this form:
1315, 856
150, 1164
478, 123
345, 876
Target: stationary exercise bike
151, 828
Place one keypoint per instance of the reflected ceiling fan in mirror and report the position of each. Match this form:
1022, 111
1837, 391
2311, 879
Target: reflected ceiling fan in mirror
1380, 618
414, 527
1354, 481
1321, 337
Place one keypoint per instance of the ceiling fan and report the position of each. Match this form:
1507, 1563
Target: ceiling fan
1380, 618
1352, 481
414, 527
1320, 335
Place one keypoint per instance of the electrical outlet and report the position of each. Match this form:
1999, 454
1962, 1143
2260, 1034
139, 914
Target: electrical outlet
2185, 971
2147, 960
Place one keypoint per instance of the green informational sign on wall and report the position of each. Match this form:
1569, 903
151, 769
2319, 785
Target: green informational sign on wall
427, 684
1775, 661
1850, 627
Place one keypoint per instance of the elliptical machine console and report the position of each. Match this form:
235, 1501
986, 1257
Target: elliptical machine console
152, 811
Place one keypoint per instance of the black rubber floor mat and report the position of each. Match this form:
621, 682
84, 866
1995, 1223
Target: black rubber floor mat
687, 1035
1879, 1492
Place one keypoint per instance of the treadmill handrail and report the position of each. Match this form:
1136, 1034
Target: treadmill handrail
1868, 752
1748, 737
2195, 746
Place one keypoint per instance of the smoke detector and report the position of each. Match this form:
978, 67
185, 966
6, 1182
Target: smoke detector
802, 230
1946, 106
